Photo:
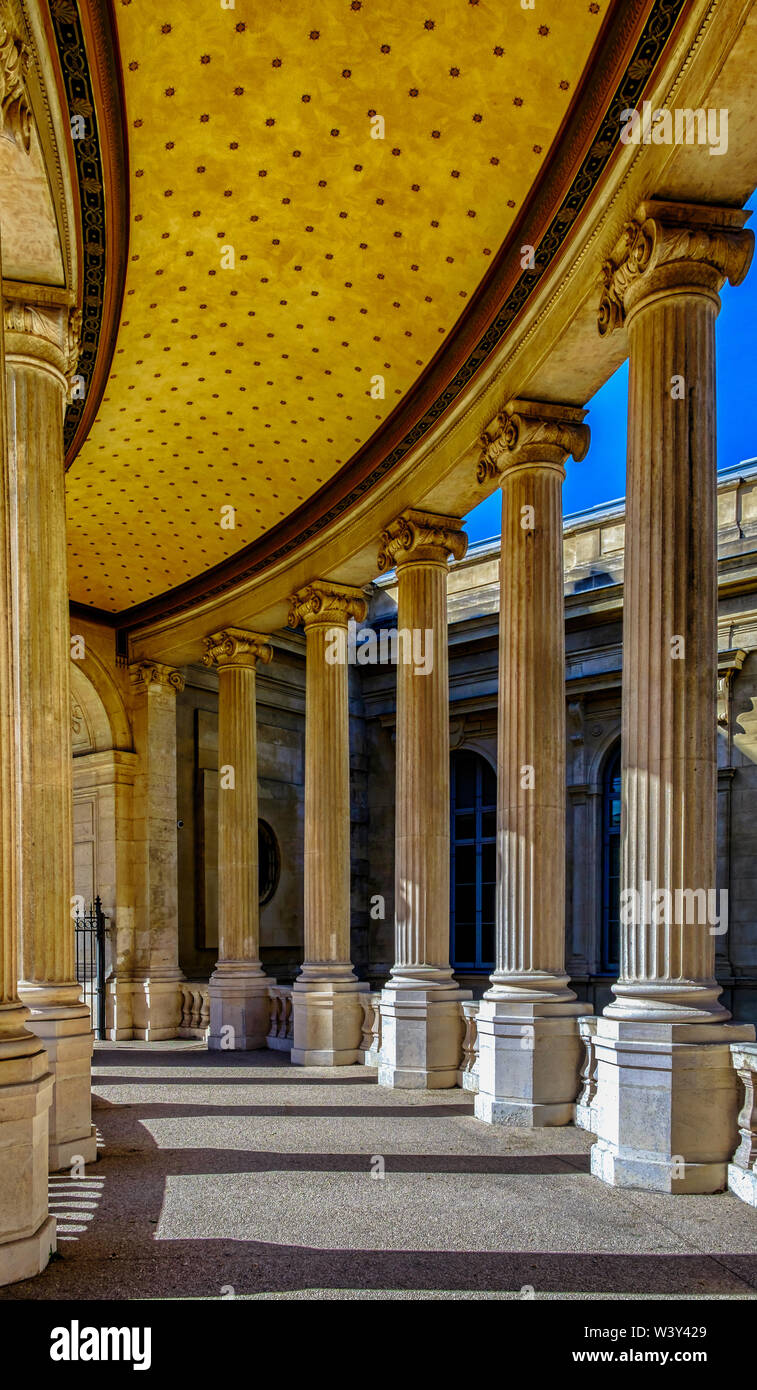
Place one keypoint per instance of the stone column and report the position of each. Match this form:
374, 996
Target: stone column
420, 1006
41, 347
155, 996
27, 1232
325, 1002
529, 1047
667, 1101
239, 1003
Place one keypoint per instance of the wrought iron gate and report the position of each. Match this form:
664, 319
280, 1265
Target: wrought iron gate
89, 933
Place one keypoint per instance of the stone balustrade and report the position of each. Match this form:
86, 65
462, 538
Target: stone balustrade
195, 1009
370, 1042
742, 1170
467, 1075
281, 1029
587, 1028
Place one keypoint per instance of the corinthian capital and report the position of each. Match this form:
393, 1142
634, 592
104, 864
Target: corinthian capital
233, 646
673, 246
417, 536
322, 602
15, 111
40, 322
146, 674
534, 432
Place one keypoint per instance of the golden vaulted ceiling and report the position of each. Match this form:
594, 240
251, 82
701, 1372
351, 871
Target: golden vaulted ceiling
250, 128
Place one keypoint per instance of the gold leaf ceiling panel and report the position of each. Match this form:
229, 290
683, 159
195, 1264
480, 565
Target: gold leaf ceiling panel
283, 258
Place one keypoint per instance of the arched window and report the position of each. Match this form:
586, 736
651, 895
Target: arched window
269, 862
474, 862
610, 945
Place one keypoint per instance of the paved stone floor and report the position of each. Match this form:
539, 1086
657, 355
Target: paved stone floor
238, 1175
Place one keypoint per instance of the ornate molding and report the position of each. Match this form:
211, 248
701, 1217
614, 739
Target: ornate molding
534, 432
15, 109
144, 674
418, 536
233, 646
327, 603
671, 246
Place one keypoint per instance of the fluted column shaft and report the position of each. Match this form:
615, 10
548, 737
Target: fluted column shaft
36, 396
327, 1015
239, 1011
530, 922
669, 289
420, 1004
238, 907
422, 834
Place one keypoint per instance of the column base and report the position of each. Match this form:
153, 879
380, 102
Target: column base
327, 1022
742, 1182
27, 1232
119, 1009
240, 1008
529, 1062
27, 1257
421, 1036
666, 1106
66, 1033
156, 1006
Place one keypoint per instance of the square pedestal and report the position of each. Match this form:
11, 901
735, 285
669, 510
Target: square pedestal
529, 1062
327, 1023
27, 1233
68, 1040
240, 1012
742, 1182
421, 1037
156, 1007
666, 1105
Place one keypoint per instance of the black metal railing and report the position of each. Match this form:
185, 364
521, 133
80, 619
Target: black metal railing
89, 935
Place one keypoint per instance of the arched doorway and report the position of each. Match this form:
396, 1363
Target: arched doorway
473, 877
609, 956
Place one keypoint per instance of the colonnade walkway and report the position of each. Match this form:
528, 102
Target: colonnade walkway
235, 1174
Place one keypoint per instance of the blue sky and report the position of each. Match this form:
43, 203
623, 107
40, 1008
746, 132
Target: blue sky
602, 475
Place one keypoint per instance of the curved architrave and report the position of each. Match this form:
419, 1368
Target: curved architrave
92, 670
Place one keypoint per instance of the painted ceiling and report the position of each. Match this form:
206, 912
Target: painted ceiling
282, 257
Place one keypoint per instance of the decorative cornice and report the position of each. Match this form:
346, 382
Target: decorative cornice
673, 246
322, 602
15, 110
420, 537
535, 432
144, 674
233, 646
